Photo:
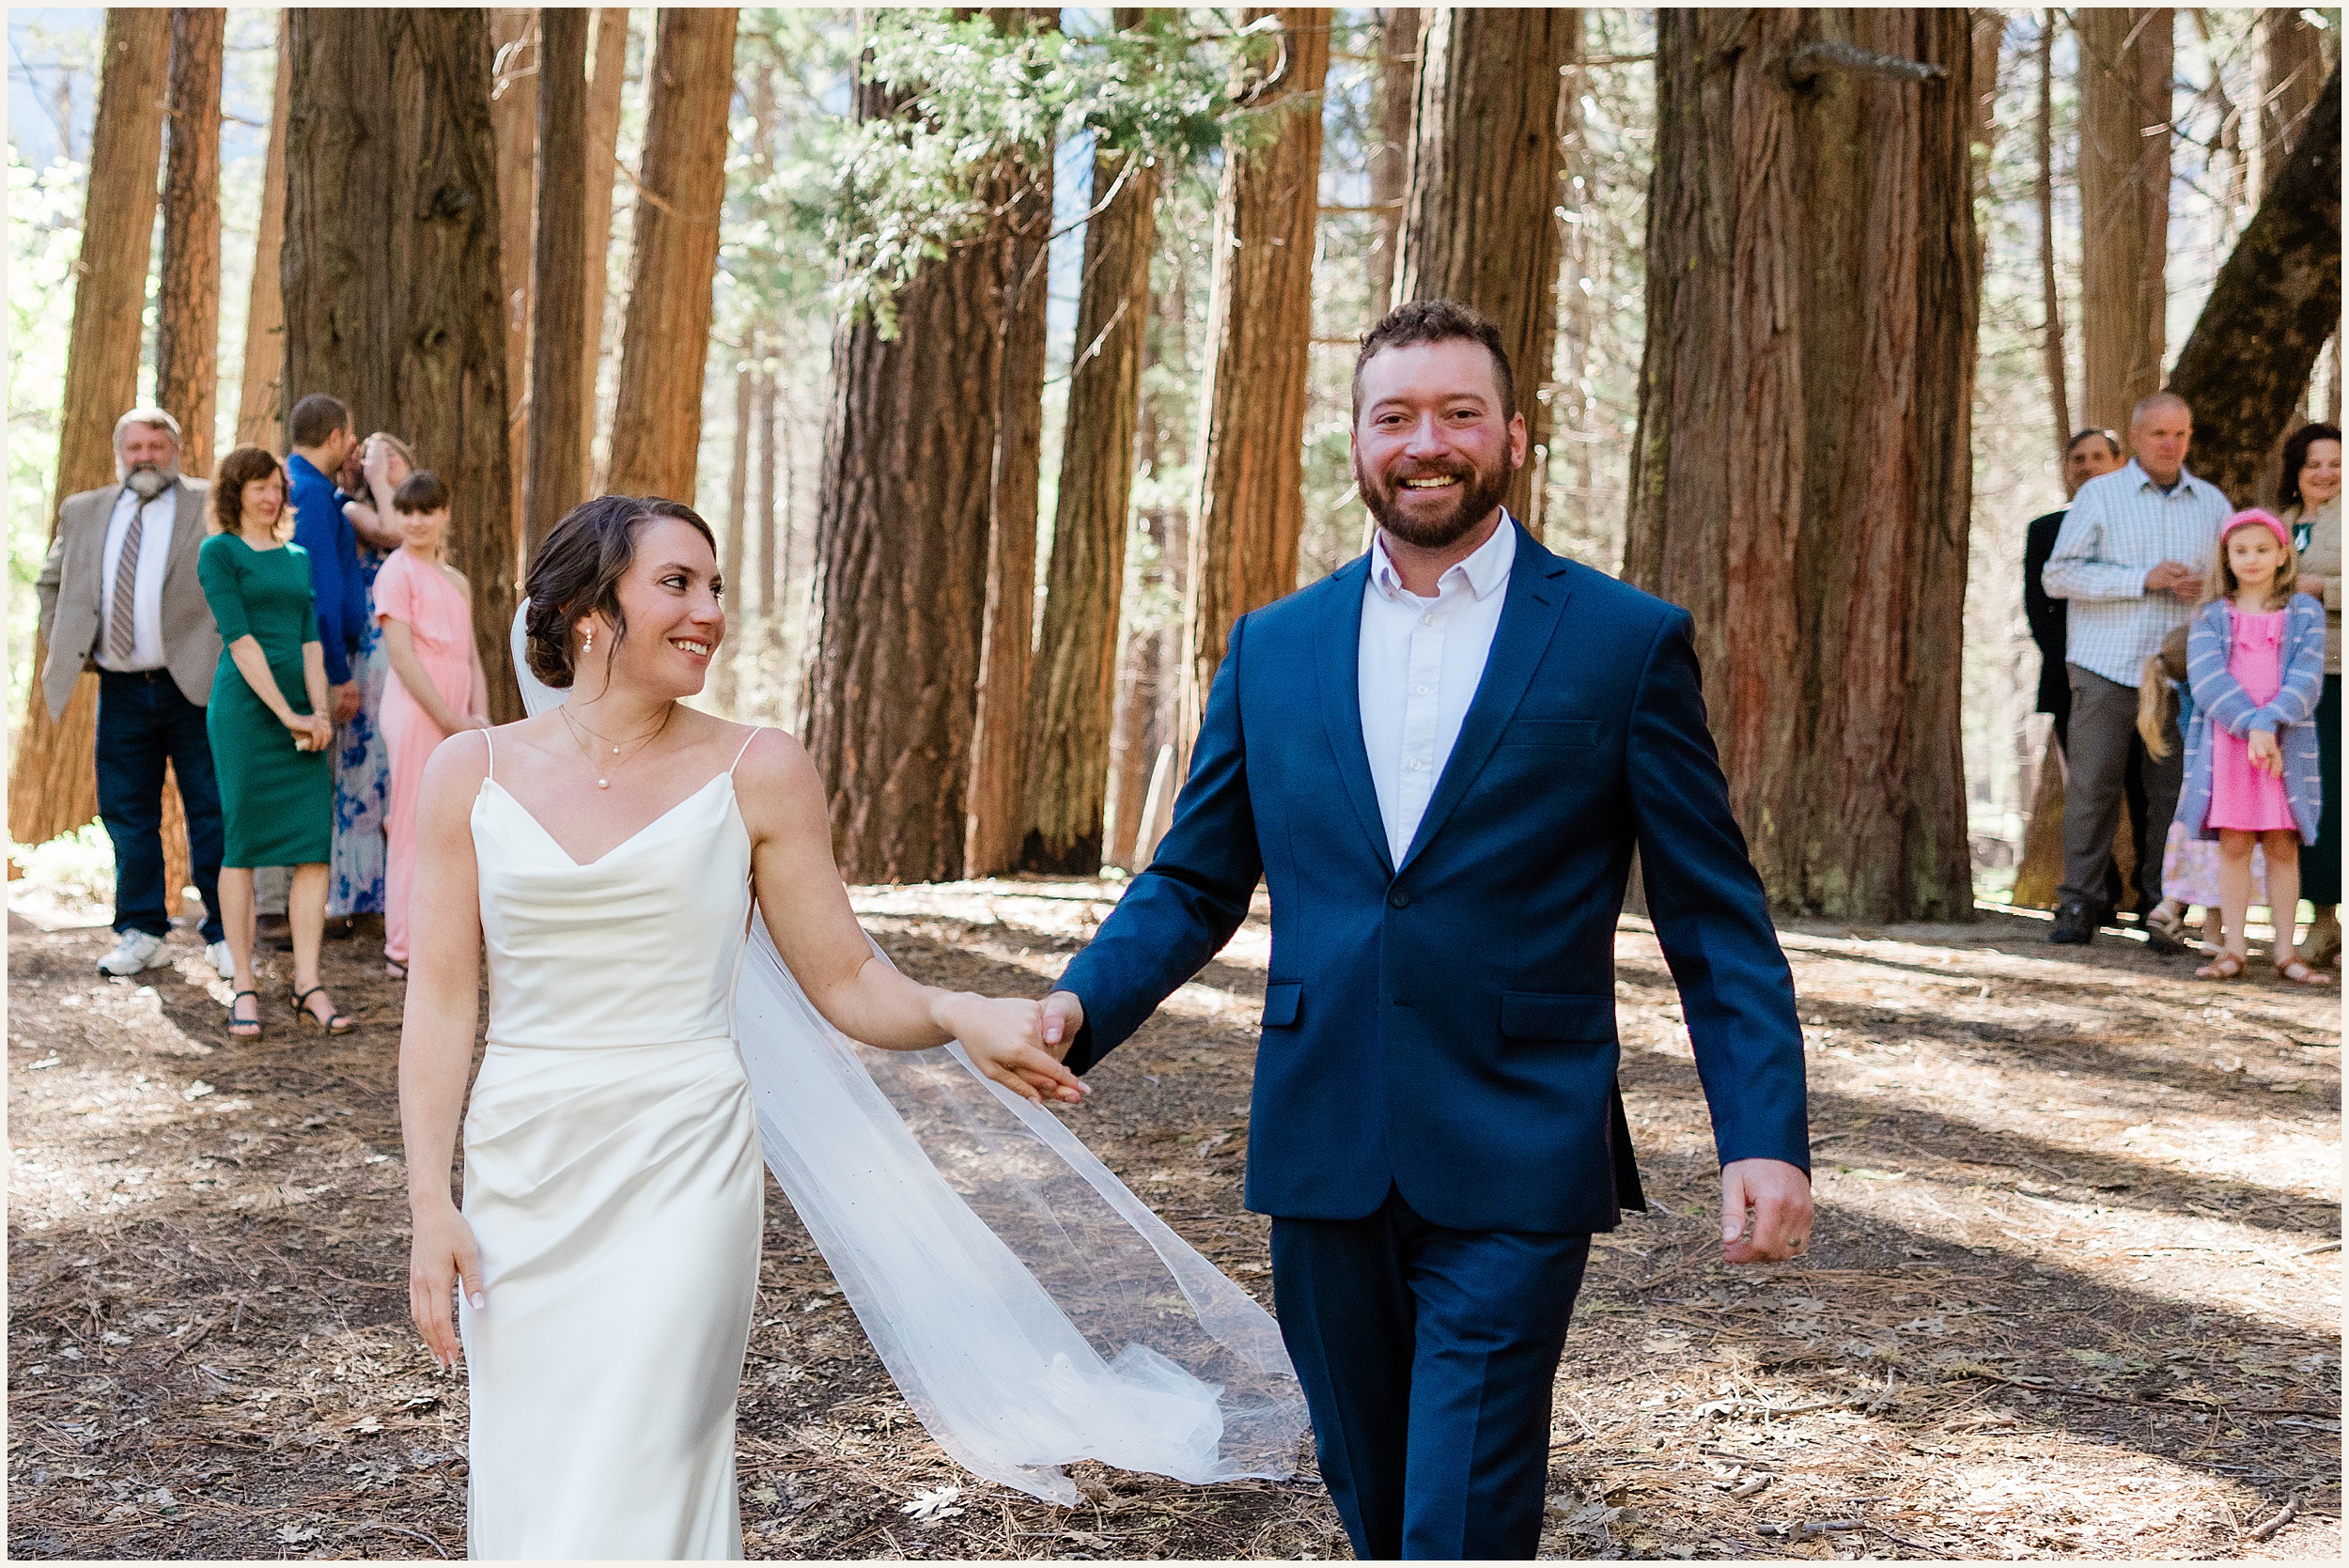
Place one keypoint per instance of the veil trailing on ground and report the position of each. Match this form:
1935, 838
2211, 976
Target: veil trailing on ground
1032, 1309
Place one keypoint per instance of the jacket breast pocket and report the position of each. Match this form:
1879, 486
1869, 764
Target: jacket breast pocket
1552, 732
1281, 999
1557, 1015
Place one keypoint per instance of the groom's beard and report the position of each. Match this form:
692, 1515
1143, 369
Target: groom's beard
1482, 493
148, 480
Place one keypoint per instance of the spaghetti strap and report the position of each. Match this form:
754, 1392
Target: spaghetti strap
493, 752
756, 730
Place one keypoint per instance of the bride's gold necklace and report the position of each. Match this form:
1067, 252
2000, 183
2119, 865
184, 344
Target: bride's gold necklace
603, 775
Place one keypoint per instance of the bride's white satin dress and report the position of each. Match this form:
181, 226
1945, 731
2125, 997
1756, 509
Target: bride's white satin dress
613, 1183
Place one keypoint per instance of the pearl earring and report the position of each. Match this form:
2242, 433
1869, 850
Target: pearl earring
587, 644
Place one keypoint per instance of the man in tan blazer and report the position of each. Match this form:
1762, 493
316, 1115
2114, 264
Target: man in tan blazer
119, 595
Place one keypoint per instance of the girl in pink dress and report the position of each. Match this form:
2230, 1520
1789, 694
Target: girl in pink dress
2254, 654
424, 608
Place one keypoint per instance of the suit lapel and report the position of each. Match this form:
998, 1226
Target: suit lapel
1529, 616
187, 530
1338, 661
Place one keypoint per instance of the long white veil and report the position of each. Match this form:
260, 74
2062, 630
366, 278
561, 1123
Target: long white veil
1032, 1310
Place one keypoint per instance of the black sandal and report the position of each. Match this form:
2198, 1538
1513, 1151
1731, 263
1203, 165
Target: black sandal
244, 1028
337, 1023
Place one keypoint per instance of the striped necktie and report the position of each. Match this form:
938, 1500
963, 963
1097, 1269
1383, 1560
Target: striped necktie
122, 624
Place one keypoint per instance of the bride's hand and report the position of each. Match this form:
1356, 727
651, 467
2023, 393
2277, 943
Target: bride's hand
442, 1252
1001, 1033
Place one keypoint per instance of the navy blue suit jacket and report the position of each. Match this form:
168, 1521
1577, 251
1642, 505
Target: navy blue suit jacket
1448, 1025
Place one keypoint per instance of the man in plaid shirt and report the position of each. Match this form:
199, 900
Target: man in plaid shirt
2129, 561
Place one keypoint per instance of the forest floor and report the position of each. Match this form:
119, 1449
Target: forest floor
2075, 1289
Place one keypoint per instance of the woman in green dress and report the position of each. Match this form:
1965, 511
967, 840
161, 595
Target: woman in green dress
271, 739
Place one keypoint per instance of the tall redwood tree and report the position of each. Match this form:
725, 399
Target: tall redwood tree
1802, 479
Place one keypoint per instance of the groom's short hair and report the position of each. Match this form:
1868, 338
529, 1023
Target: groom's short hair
1437, 322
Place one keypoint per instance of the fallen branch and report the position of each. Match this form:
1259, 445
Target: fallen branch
2291, 1511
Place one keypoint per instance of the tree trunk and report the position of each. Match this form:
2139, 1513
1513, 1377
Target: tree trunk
1077, 655
1801, 475
997, 815
1394, 90
187, 317
555, 478
2124, 55
2246, 368
763, 494
1480, 220
1244, 527
2050, 293
2291, 76
260, 410
737, 524
391, 275
53, 781
514, 125
902, 548
657, 427
607, 69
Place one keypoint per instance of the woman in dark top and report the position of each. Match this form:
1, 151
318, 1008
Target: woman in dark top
268, 727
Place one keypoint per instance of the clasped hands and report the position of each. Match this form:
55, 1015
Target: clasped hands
2176, 579
1005, 1037
2267, 753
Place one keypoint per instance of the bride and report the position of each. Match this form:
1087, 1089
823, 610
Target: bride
643, 1041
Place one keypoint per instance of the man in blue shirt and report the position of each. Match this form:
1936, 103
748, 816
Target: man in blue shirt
320, 429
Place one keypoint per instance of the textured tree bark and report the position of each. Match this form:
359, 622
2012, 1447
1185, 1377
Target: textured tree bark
1076, 675
1244, 527
999, 740
905, 504
738, 523
1480, 220
53, 780
657, 427
514, 125
1801, 475
555, 478
2291, 77
607, 69
261, 412
392, 276
2277, 300
2050, 293
2125, 57
1394, 90
187, 317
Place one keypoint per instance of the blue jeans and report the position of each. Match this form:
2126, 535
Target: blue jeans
1427, 1355
143, 722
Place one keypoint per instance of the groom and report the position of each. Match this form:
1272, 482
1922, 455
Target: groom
1442, 757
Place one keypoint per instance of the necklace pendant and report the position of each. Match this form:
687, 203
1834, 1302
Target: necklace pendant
604, 784
616, 751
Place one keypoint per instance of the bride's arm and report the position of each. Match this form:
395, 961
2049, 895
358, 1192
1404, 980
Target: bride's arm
436, 1037
806, 907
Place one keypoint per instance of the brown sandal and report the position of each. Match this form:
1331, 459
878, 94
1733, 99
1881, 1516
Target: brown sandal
2293, 972
2227, 965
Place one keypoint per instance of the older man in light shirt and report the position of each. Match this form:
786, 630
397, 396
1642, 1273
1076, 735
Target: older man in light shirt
2129, 561
118, 594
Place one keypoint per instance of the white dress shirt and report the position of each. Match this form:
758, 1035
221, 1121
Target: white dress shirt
1420, 661
2120, 527
146, 589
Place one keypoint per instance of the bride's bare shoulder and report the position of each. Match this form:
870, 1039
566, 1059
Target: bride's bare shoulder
769, 756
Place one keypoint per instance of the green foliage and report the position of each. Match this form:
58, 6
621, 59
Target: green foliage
44, 240
966, 99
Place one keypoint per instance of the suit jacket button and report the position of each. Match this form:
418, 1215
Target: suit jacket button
1399, 899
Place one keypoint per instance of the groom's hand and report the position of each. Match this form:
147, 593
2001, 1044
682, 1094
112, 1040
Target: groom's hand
1063, 1015
1777, 1196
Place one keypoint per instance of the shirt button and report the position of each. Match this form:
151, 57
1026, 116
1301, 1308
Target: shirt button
1427, 620
1421, 690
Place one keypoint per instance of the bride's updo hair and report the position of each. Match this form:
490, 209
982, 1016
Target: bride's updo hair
578, 573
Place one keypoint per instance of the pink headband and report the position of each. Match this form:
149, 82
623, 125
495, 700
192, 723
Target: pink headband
2264, 519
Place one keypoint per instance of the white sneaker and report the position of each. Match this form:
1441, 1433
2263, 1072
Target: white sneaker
217, 955
137, 950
